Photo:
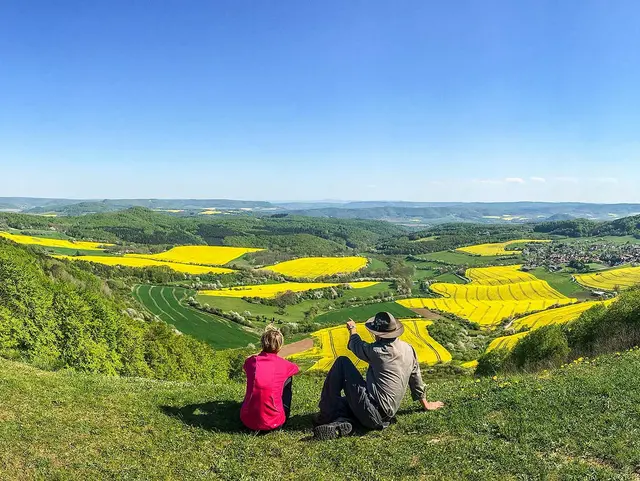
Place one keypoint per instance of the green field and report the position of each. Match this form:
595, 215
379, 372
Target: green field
375, 265
362, 313
293, 313
165, 302
462, 259
562, 283
448, 277
63, 251
610, 239
50, 234
574, 424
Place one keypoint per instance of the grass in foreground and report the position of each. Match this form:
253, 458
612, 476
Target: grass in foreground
580, 422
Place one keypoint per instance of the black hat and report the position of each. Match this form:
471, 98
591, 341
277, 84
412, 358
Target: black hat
385, 326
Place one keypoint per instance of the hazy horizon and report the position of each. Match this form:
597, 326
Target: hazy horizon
418, 101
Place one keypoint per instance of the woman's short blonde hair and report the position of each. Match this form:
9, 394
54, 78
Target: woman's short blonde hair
272, 340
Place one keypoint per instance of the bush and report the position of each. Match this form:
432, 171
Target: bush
55, 315
543, 348
492, 362
600, 330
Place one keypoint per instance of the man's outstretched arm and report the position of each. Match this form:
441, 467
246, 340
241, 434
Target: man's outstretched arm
356, 345
418, 389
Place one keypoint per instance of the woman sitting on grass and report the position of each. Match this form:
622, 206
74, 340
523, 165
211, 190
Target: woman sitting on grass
267, 402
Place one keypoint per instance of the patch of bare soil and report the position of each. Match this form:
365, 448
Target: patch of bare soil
296, 347
427, 314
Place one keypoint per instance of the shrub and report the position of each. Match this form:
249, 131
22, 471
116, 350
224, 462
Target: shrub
601, 330
492, 362
543, 348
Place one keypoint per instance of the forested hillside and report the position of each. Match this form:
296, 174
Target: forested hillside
586, 228
56, 316
294, 234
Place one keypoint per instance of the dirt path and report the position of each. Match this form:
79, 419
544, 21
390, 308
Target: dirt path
296, 347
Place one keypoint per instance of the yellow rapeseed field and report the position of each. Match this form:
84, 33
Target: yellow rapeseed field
140, 262
486, 313
332, 343
518, 291
496, 249
314, 267
490, 298
612, 279
47, 242
272, 290
493, 276
560, 315
506, 342
202, 255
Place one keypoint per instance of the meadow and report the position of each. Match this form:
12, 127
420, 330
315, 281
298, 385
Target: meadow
330, 343
612, 279
562, 282
143, 262
363, 312
274, 290
314, 267
456, 258
167, 303
577, 423
291, 313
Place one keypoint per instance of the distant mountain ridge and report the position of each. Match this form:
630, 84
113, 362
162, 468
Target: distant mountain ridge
401, 212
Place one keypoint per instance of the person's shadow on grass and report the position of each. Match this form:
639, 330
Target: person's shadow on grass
224, 416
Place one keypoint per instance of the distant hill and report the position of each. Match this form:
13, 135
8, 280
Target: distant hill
419, 214
585, 227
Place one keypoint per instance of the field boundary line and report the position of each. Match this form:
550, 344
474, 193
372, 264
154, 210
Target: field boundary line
435, 351
156, 304
169, 305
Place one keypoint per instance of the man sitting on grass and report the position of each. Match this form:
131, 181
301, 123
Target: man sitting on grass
393, 366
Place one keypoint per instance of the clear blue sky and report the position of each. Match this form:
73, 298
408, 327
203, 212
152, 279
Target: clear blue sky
287, 99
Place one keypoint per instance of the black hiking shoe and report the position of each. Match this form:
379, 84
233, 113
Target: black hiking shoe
332, 430
318, 420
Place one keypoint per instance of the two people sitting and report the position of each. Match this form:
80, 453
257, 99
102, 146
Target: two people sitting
346, 396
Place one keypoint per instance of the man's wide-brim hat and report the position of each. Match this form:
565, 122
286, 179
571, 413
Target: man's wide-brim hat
384, 325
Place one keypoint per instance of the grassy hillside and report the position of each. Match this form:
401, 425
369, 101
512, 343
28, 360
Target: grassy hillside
580, 422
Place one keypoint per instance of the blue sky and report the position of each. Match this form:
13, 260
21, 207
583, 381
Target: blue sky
414, 100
